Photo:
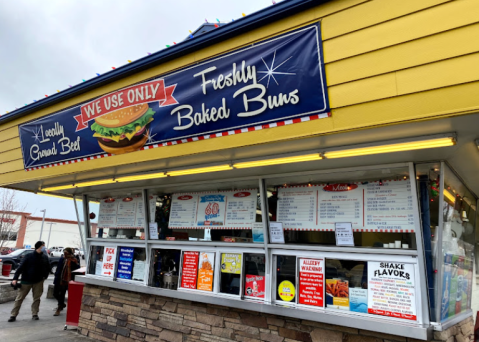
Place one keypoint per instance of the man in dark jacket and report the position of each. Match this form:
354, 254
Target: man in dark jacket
67, 263
34, 269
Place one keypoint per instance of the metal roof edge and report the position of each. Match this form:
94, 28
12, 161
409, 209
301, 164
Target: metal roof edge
244, 24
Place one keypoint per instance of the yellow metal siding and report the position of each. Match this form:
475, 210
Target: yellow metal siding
386, 62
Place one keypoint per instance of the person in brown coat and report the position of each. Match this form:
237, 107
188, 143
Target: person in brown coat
67, 263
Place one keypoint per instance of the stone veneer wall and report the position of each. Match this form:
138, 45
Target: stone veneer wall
124, 316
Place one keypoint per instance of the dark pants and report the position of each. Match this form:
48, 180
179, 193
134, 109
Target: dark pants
59, 292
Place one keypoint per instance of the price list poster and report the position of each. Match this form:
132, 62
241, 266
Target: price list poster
391, 290
370, 206
214, 210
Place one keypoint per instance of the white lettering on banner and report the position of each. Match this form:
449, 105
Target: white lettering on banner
44, 135
185, 116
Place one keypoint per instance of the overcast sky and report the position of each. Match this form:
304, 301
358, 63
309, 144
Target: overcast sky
47, 45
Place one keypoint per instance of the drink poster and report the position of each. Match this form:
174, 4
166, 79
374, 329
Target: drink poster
311, 282
205, 272
391, 290
231, 263
358, 300
125, 263
384, 206
254, 286
109, 261
189, 270
214, 210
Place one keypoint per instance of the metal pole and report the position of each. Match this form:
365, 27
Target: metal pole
80, 229
43, 220
49, 234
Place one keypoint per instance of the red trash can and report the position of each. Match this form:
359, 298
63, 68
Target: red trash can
6, 269
75, 293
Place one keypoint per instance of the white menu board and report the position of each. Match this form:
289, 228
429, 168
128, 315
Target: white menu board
123, 212
214, 210
391, 290
375, 206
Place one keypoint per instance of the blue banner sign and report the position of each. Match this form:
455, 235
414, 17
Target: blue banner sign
125, 263
267, 83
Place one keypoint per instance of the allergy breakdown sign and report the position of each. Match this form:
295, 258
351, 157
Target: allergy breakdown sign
311, 282
271, 83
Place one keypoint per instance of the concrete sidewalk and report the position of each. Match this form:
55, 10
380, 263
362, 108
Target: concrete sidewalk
48, 328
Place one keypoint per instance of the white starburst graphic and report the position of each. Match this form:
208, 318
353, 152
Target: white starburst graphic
36, 134
150, 137
271, 70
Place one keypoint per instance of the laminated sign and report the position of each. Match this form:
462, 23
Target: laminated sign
272, 83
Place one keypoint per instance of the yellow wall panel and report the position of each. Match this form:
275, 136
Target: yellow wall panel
14, 165
441, 74
429, 104
10, 144
445, 45
368, 89
8, 133
10, 155
420, 24
371, 13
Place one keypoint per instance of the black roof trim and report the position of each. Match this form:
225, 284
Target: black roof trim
263, 17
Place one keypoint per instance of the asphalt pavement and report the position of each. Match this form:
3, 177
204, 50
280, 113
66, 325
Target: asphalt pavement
47, 328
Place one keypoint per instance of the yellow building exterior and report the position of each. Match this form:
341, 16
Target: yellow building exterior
396, 70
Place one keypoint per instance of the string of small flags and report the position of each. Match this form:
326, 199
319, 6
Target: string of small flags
149, 53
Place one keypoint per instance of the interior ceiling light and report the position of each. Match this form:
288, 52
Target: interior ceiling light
406, 146
449, 196
200, 170
286, 160
54, 188
98, 182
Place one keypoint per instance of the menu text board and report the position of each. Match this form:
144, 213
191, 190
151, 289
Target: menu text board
391, 290
384, 206
311, 282
214, 210
189, 271
123, 213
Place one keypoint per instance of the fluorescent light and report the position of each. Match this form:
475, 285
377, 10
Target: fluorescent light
57, 196
141, 177
62, 187
98, 182
276, 161
449, 196
408, 146
199, 170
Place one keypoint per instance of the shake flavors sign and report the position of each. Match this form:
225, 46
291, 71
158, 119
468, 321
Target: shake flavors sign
274, 81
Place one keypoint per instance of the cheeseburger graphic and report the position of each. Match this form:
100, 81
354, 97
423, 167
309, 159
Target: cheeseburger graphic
124, 130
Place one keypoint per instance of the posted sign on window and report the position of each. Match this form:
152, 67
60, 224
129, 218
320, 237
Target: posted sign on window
109, 261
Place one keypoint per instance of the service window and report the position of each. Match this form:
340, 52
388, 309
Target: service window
286, 278
231, 269
254, 276
131, 263
102, 261
197, 270
166, 268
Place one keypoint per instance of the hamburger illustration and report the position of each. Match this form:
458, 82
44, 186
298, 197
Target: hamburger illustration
124, 130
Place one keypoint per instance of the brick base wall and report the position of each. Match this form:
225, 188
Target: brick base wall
124, 316
7, 293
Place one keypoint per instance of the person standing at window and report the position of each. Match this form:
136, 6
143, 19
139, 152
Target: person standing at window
34, 269
67, 263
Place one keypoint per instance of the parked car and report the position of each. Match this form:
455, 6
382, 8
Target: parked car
17, 256
6, 251
56, 251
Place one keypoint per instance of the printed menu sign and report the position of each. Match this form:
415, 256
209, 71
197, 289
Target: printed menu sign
373, 206
123, 212
231, 263
109, 261
254, 286
391, 290
214, 210
205, 272
125, 263
189, 271
311, 282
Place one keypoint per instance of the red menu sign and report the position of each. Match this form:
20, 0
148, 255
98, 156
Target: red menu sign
311, 282
189, 273
254, 286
